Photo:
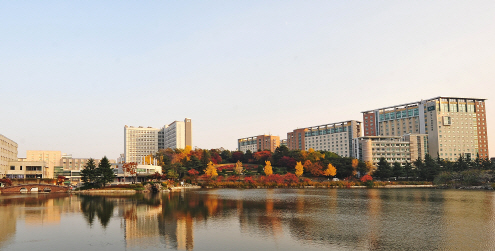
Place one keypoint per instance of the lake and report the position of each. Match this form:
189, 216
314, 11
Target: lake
252, 219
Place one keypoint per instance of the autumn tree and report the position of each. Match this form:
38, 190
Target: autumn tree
299, 169
316, 169
287, 161
238, 167
130, 168
60, 179
314, 156
211, 170
262, 156
149, 159
354, 164
268, 168
330, 171
307, 165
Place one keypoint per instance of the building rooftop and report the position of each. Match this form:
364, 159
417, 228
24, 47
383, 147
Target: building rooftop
419, 102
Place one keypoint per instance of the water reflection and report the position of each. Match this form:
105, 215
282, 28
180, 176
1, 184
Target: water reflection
97, 206
342, 219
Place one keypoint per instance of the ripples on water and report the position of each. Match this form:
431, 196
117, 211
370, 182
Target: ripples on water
256, 219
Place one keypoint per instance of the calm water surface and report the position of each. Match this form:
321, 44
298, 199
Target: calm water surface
271, 219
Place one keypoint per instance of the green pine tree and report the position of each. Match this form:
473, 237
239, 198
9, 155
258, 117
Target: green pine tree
105, 172
88, 174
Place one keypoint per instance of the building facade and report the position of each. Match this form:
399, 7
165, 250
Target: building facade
24, 169
260, 142
407, 148
140, 142
335, 137
51, 159
177, 134
8, 153
455, 126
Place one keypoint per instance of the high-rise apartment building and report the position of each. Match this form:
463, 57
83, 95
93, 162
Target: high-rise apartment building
455, 126
177, 134
8, 152
260, 142
335, 137
142, 141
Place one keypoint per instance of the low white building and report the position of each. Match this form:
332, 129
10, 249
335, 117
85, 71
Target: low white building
142, 171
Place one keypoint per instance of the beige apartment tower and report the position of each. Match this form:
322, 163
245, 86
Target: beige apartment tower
260, 142
455, 126
335, 137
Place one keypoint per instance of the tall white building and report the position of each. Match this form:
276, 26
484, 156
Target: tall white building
177, 134
140, 141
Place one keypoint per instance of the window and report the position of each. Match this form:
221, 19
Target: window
12, 168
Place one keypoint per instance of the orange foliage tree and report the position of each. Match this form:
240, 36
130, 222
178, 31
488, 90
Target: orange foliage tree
316, 169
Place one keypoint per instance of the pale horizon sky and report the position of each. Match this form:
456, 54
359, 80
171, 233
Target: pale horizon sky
73, 74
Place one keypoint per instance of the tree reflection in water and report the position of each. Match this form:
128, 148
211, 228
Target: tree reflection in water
98, 206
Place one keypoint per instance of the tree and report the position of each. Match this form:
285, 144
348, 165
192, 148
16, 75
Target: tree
268, 168
397, 170
407, 169
205, 158
383, 171
354, 164
238, 156
193, 173
299, 169
280, 152
105, 172
211, 170
60, 179
316, 169
430, 168
238, 167
148, 160
131, 168
262, 156
330, 171
287, 161
226, 156
88, 174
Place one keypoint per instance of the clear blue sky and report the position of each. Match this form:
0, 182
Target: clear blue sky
73, 73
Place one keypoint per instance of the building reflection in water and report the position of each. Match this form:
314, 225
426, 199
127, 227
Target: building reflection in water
347, 219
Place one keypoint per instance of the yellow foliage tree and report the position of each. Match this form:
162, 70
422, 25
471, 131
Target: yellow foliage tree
355, 163
330, 171
187, 152
238, 167
211, 170
299, 169
148, 160
268, 168
369, 167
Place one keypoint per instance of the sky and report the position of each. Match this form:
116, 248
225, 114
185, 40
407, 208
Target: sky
74, 73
